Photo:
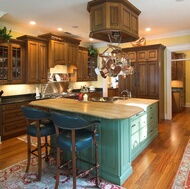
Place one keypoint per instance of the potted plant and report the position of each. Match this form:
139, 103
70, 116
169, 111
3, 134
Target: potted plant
92, 51
4, 34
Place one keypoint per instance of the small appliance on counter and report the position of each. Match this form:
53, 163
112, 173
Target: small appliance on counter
91, 88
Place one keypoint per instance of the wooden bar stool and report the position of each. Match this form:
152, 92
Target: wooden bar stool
77, 134
38, 125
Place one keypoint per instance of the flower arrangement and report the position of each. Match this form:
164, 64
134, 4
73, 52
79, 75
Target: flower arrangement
92, 51
4, 34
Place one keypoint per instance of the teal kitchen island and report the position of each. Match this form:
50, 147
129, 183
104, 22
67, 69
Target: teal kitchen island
127, 128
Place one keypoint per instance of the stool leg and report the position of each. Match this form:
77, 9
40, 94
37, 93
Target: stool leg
46, 149
96, 163
58, 168
73, 159
39, 158
29, 153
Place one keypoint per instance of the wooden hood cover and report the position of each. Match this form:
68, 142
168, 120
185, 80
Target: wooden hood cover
113, 20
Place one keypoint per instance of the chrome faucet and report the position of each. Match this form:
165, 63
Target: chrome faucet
128, 93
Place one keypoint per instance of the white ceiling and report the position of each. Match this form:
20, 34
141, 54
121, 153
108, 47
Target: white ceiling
165, 17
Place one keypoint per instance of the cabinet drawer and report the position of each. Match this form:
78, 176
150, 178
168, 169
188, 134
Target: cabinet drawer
14, 105
134, 126
143, 134
143, 120
12, 115
13, 127
134, 142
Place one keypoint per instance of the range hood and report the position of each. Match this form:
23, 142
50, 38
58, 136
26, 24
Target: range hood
113, 21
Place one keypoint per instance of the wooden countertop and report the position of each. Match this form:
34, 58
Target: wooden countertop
116, 110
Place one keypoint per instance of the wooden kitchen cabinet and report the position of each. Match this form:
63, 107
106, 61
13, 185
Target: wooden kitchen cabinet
57, 53
147, 80
178, 67
147, 55
11, 62
177, 101
72, 54
143, 129
82, 65
132, 56
86, 65
36, 59
112, 92
62, 50
92, 64
119, 16
12, 121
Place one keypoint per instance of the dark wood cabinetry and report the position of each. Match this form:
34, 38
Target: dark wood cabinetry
112, 92
113, 15
177, 101
36, 59
62, 50
92, 64
11, 62
86, 65
57, 53
147, 81
178, 67
12, 121
178, 82
72, 54
82, 67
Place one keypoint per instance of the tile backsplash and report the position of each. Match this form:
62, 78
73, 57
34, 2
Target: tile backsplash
19, 89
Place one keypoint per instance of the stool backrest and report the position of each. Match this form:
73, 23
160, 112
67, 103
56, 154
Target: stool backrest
64, 121
34, 113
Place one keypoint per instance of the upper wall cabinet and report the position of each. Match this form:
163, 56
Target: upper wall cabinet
72, 54
57, 53
86, 65
147, 81
11, 62
36, 59
62, 50
109, 16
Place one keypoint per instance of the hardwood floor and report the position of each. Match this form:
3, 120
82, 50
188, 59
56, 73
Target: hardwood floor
154, 168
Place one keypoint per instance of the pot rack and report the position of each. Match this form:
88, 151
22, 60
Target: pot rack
114, 61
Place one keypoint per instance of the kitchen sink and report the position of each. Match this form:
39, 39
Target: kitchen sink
108, 99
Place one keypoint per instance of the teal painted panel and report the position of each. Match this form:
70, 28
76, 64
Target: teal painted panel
120, 142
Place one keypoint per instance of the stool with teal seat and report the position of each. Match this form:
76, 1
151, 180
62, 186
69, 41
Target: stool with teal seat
39, 125
74, 134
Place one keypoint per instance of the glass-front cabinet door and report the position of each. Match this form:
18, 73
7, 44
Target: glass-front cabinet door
10, 63
16, 64
4, 51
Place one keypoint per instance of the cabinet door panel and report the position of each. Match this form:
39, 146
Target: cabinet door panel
72, 54
132, 56
11, 61
82, 68
59, 51
152, 79
152, 55
142, 80
32, 67
42, 66
141, 56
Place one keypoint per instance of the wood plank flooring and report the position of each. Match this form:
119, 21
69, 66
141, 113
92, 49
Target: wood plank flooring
154, 168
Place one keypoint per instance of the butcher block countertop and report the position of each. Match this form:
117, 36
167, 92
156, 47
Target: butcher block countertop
119, 109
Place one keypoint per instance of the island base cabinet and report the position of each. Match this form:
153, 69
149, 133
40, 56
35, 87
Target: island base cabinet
144, 129
120, 142
12, 121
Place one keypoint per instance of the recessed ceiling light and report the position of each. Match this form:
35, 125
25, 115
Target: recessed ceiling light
59, 29
148, 29
91, 39
32, 22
